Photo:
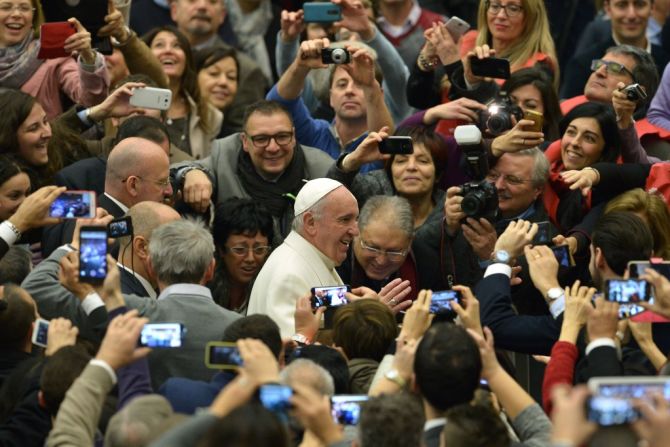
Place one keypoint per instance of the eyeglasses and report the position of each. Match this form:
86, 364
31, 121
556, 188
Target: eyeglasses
392, 255
511, 10
611, 67
281, 138
162, 183
242, 250
493, 177
23, 8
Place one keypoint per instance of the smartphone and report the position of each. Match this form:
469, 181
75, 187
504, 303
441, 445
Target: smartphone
457, 27
543, 235
612, 397
52, 39
91, 14
346, 408
396, 145
490, 67
92, 254
40, 332
536, 117
123, 226
222, 355
321, 12
440, 301
562, 254
637, 268
628, 292
74, 205
330, 296
162, 335
151, 98
275, 397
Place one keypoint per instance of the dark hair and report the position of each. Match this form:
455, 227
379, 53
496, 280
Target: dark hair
266, 108
474, 426
8, 168
16, 106
433, 143
142, 126
260, 327
391, 420
364, 329
250, 425
16, 317
540, 79
137, 77
328, 358
606, 118
622, 236
207, 57
59, 373
189, 80
447, 366
645, 71
240, 216
15, 265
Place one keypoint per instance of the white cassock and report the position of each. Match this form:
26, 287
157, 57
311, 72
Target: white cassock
289, 273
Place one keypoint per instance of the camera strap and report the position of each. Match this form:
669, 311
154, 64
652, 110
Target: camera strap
445, 244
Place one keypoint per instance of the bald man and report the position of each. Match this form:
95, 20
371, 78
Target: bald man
138, 170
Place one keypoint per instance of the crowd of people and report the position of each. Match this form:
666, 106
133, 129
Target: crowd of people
336, 223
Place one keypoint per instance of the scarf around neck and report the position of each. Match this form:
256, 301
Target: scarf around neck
19, 62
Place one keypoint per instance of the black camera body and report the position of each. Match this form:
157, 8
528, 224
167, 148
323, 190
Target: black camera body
480, 199
497, 118
336, 56
635, 92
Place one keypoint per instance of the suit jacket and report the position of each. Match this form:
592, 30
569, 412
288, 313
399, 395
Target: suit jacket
131, 285
431, 437
578, 70
529, 334
60, 234
186, 395
289, 273
4, 248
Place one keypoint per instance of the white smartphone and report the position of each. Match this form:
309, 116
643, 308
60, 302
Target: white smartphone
457, 27
74, 205
40, 332
151, 98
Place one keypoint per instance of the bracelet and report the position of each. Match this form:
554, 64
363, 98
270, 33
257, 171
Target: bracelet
596, 171
15, 230
427, 64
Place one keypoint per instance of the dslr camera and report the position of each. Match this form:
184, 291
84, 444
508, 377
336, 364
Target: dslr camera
480, 198
635, 92
336, 56
497, 118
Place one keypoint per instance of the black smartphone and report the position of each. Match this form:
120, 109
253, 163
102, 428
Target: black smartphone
222, 355
275, 397
92, 254
90, 13
123, 226
162, 335
440, 301
396, 145
543, 235
637, 268
331, 296
628, 292
490, 67
346, 408
562, 254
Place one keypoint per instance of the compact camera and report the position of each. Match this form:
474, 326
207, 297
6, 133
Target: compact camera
480, 199
336, 56
635, 92
497, 118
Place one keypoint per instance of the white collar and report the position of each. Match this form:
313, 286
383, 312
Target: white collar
398, 30
147, 286
648, 49
433, 423
119, 204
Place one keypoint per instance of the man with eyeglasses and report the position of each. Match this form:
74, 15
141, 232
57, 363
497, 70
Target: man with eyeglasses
629, 20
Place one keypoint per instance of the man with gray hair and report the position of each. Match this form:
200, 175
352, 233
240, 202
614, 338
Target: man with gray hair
324, 227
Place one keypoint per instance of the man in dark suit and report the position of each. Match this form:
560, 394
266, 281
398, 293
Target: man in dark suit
137, 170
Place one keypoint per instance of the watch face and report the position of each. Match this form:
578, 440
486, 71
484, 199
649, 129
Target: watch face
502, 256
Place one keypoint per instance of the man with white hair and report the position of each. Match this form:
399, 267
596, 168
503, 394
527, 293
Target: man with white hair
324, 226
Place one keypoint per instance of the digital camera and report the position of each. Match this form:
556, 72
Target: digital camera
635, 92
480, 199
497, 118
336, 56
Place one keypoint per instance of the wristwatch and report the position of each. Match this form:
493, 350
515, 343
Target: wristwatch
394, 376
500, 256
554, 293
301, 339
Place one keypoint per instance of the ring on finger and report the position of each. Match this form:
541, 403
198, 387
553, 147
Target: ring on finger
393, 302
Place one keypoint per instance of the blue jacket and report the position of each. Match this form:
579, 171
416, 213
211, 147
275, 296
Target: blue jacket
186, 395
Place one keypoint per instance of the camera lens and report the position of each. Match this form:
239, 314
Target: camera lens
473, 203
499, 123
338, 55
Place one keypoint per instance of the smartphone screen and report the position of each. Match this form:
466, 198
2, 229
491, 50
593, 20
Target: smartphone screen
637, 268
346, 408
628, 292
40, 333
120, 227
543, 235
275, 397
93, 254
440, 302
562, 254
331, 296
73, 205
162, 335
396, 145
612, 403
222, 355
490, 67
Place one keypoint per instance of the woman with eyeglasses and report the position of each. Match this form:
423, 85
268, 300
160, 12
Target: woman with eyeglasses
242, 232
82, 79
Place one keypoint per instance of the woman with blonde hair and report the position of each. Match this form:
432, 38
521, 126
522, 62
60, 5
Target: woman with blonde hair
653, 210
